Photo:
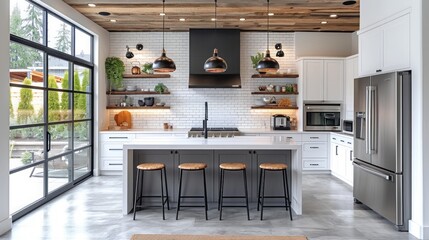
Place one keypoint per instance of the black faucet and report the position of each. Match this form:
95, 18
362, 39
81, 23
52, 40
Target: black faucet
205, 120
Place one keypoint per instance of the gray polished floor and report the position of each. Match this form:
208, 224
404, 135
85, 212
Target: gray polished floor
92, 210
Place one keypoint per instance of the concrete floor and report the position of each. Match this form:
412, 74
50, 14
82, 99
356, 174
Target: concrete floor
92, 210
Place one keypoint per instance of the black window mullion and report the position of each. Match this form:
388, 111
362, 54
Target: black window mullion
45, 28
73, 40
46, 120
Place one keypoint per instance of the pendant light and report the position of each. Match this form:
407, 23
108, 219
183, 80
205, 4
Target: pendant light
163, 63
215, 64
268, 64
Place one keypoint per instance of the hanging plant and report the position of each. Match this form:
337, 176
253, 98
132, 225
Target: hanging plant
114, 70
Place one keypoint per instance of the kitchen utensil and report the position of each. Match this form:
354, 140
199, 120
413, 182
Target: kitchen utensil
262, 88
281, 122
135, 70
160, 104
260, 102
140, 102
278, 88
131, 88
149, 101
267, 100
123, 119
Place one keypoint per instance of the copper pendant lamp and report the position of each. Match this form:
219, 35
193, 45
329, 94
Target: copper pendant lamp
215, 64
268, 64
163, 64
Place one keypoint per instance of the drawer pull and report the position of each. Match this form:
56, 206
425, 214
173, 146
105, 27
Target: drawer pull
289, 137
349, 143
334, 138
351, 155
314, 147
314, 164
115, 164
341, 140
115, 149
314, 137
336, 150
118, 137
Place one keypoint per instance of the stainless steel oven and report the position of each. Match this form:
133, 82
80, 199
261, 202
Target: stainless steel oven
322, 116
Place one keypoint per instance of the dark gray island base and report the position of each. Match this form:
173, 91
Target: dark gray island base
211, 152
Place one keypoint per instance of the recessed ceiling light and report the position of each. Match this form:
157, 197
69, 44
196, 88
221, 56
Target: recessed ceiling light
242, 19
323, 22
113, 20
333, 16
91, 5
182, 19
162, 14
104, 13
213, 19
349, 2
270, 14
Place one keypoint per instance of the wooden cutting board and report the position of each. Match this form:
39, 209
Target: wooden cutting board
123, 119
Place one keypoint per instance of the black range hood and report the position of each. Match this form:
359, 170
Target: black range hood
201, 45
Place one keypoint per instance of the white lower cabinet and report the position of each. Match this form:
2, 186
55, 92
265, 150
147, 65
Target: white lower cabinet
111, 147
342, 157
315, 151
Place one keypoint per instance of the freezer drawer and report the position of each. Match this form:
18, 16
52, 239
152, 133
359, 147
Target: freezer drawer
380, 190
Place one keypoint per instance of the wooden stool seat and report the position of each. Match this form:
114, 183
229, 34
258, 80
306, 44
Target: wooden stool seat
233, 166
193, 166
151, 166
273, 166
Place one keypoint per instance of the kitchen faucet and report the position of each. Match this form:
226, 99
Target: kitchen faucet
205, 120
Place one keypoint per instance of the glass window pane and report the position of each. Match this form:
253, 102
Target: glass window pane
26, 20
59, 172
82, 106
60, 138
26, 187
25, 146
82, 45
25, 63
26, 105
82, 134
82, 79
58, 73
59, 34
82, 162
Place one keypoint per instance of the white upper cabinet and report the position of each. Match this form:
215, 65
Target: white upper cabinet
351, 72
323, 79
374, 11
385, 48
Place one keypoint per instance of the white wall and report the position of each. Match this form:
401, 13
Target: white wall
5, 220
355, 43
309, 44
101, 51
227, 107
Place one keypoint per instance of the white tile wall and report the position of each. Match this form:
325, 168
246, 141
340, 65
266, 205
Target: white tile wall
227, 107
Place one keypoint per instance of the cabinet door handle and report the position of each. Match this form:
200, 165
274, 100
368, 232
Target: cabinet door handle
171, 152
115, 164
250, 152
349, 143
351, 153
314, 137
118, 137
314, 147
289, 137
115, 149
334, 138
341, 140
176, 152
336, 150
254, 152
314, 164
378, 70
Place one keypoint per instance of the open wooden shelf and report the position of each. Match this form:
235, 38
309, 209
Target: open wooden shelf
273, 93
135, 93
146, 76
273, 107
283, 75
152, 107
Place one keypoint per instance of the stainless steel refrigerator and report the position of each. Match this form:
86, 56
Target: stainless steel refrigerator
382, 145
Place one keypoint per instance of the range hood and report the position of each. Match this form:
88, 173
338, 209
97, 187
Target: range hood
201, 45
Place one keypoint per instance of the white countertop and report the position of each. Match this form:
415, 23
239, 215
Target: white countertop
235, 143
149, 130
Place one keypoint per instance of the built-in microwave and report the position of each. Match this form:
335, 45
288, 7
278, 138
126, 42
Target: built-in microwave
322, 116
348, 126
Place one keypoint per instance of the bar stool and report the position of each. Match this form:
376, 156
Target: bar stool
273, 167
141, 168
192, 167
232, 167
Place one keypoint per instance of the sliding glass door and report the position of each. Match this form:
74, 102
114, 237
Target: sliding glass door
51, 102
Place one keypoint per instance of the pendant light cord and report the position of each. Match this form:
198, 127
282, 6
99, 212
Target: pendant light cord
268, 23
163, 23
215, 13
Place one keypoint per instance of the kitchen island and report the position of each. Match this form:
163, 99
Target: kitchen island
251, 150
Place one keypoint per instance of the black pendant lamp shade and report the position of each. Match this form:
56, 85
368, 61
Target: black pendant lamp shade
215, 64
163, 64
268, 64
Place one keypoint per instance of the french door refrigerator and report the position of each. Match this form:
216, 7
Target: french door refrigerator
382, 145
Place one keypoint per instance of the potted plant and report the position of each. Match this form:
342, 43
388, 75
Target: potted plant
114, 70
161, 88
147, 68
255, 59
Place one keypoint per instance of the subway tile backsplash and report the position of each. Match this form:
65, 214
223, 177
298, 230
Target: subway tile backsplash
227, 107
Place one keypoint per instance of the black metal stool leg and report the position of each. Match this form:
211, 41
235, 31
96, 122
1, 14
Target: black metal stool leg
288, 206
221, 192
245, 191
205, 193
178, 199
263, 195
166, 188
162, 197
141, 187
220, 184
135, 194
259, 191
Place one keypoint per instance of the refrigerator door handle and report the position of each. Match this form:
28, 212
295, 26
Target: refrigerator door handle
368, 119
373, 119
373, 172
